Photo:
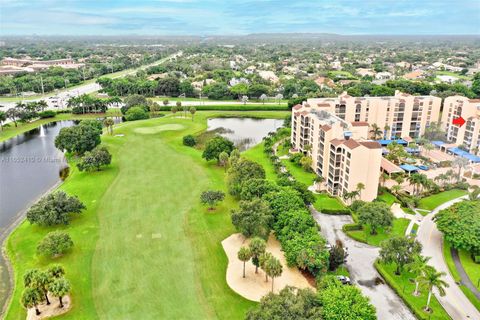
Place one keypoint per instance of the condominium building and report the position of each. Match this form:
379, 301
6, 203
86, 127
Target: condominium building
340, 150
468, 134
401, 115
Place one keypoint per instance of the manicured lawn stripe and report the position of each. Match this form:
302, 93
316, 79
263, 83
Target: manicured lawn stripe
433, 201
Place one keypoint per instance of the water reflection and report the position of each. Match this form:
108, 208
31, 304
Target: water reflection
244, 132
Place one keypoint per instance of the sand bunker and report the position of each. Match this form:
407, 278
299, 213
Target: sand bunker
253, 286
157, 129
51, 310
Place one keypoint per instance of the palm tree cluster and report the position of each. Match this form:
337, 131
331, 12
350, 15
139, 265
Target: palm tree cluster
38, 284
426, 277
89, 104
420, 182
260, 258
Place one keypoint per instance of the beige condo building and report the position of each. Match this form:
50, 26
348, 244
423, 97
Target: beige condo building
340, 150
401, 115
468, 134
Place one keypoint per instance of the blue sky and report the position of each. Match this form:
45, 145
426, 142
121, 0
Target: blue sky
213, 17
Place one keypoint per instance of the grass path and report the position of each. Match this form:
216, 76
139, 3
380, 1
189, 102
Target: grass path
145, 245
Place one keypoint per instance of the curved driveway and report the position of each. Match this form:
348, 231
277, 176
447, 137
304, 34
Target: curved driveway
362, 271
455, 302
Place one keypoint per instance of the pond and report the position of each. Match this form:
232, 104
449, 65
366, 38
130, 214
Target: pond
244, 132
30, 165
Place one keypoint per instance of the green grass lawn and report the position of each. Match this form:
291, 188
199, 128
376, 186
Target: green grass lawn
256, 154
399, 227
299, 173
404, 287
145, 245
387, 197
433, 201
324, 201
470, 267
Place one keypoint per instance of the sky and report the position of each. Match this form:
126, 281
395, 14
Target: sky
234, 17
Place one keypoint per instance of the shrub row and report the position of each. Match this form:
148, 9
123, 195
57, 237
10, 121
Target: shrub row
337, 211
238, 107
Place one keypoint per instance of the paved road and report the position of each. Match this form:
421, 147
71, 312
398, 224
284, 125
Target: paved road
64, 95
466, 281
455, 302
362, 272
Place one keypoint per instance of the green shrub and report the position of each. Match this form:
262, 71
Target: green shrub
351, 227
336, 211
136, 113
236, 108
189, 140
47, 114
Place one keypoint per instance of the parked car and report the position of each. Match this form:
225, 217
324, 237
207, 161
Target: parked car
344, 280
422, 167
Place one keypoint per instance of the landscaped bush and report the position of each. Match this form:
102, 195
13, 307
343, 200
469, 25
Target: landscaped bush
351, 227
235, 107
95, 159
189, 140
136, 113
47, 114
296, 157
336, 211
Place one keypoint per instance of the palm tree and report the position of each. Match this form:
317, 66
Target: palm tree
429, 147
244, 254
263, 259
42, 104
383, 178
108, 122
360, 187
273, 268
386, 128
192, 111
318, 181
31, 297
59, 288
418, 267
461, 163
223, 159
472, 196
174, 109
432, 279
56, 271
376, 131
257, 247
396, 188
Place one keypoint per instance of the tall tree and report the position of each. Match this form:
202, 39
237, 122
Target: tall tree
432, 279
375, 215
418, 267
244, 254
257, 247
59, 288
253, 218
273, 268
192, 111
31, 297
400, 250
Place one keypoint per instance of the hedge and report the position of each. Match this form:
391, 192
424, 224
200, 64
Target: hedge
337, 211
237, 107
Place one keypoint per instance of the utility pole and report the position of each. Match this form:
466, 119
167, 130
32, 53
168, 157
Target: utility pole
83, 71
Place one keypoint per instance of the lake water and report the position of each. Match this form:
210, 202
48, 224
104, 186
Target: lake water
30, 165
244, 132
